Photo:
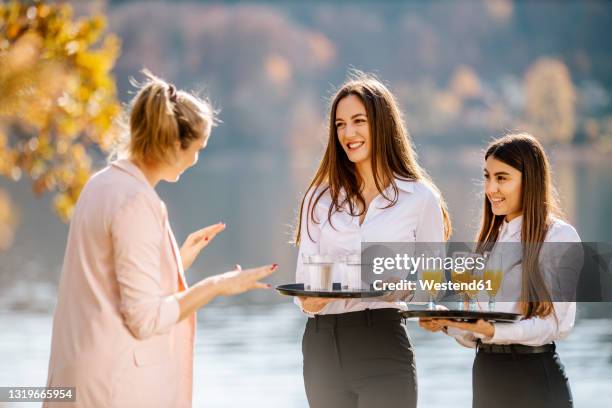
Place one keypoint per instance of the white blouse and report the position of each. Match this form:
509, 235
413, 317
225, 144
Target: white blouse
535, 331
416, 217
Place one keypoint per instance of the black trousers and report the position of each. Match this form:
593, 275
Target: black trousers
520, 380
359, 360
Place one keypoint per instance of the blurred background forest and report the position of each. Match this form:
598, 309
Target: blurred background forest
464, 72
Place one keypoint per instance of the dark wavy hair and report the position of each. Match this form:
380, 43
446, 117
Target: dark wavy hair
392, 155
539, 201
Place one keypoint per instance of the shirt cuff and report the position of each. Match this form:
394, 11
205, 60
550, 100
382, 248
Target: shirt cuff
169, 313
505, 332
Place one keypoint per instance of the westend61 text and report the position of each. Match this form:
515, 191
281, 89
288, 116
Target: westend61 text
429, 285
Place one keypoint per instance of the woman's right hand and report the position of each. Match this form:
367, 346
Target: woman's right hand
239, 281
314, 304
433, 325
430, 325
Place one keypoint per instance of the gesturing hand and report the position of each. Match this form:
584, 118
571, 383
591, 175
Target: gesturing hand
224, 284
196, 241
238, 281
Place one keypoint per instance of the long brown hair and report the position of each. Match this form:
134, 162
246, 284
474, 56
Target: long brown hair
392, 155
539, 203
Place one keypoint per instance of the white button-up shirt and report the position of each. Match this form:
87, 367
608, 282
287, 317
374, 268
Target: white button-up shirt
535, 331
416, 217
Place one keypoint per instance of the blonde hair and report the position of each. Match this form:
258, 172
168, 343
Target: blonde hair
160, 115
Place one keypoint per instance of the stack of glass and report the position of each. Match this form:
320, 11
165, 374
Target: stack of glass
321, 271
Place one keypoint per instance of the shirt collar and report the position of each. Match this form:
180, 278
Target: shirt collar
513, 227
131, 169
405, 185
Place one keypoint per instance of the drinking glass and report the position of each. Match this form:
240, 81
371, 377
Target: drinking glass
322, 273
307, 267
493, 276
458, 275
433, 276
473, 276
351, 272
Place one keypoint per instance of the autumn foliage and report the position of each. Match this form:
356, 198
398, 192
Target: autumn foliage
57, 98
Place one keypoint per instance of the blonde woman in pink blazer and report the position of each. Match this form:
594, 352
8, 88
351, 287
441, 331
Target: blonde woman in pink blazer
124, 325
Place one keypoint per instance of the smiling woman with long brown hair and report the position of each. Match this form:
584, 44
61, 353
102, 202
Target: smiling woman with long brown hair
368, 188
516, 363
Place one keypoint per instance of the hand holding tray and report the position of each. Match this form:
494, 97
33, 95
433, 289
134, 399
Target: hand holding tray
462, 315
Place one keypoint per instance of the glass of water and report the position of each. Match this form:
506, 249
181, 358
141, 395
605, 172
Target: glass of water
321, 273
351, 272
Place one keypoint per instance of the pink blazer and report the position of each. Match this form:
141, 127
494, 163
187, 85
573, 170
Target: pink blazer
115, 331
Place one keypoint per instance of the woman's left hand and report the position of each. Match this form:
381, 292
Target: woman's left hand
481, 326
196, 241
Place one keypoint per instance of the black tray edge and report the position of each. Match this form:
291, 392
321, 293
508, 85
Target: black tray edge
293, 290
502, 317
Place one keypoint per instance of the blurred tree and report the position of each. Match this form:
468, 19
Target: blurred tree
57, 99
8, 219
550, 101
500, 10
244, 55
464, 83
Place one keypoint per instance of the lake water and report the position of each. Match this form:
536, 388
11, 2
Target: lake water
256, 349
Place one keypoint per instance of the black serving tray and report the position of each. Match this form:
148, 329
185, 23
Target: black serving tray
462, 315
297, 289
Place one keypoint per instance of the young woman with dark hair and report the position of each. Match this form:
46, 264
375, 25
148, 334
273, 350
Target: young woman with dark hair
516, 363
368, 188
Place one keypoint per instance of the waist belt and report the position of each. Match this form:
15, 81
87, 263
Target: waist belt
514, 348
362, 318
